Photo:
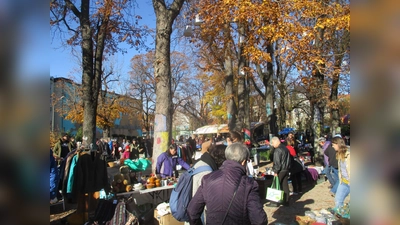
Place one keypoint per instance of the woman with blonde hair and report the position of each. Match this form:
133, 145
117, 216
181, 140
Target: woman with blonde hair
343, 156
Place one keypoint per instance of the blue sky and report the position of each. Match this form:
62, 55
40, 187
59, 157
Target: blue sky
64, 64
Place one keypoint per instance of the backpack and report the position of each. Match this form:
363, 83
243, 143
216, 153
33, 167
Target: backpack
182, 193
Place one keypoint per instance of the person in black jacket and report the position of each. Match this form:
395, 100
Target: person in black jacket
281, 166
333, 168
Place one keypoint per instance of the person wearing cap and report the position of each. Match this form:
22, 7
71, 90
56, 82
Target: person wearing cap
62, 148
331, 168
338, 135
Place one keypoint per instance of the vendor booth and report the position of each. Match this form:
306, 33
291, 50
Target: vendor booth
212, 129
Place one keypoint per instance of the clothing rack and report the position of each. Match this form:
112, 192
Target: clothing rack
87, 201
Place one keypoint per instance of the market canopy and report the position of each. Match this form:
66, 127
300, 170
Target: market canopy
286, 130
212, 129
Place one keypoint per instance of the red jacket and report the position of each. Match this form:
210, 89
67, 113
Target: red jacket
291, 150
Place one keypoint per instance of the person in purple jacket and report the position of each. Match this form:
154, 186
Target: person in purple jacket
332, 172
167, 162
229, 184
324, 144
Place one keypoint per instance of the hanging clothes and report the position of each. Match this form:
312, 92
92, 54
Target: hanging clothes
71, 175
90, 173
65, 170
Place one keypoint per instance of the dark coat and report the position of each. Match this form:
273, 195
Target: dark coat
331, 153
90, 174
216, 192
282, 159
296, 166
57, 149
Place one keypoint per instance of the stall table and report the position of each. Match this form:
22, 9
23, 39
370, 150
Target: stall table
160, 193
156, 193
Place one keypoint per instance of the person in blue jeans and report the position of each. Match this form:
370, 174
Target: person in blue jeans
53, 179
324, 144
343, 156
332, 172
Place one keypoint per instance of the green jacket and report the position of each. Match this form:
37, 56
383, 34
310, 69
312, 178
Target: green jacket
57, 148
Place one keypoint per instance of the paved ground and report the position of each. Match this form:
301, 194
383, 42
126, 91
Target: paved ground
314, 197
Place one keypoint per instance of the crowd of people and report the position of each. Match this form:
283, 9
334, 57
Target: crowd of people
109, 150
227, 193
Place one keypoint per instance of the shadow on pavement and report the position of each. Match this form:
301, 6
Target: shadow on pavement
287, 214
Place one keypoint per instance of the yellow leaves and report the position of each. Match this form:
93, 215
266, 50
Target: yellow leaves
322, 26
320, 62
110, 109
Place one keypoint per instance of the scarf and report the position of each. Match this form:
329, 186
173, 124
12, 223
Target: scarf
206, 157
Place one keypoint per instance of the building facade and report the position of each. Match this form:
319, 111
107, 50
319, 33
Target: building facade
63, 92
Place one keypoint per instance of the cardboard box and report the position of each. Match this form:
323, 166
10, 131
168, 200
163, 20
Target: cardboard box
166, 219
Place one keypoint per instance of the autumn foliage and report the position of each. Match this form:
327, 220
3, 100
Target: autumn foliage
313, 36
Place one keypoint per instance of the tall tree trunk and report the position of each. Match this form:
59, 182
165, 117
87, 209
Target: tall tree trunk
312, 116
241, 92
282, 113
98, 61
247, 120
228, 69
334, 109
321, 121
334, 97
343, 43
231, 105
282, 93
243, 100
241, 103
165, 17
317, 73
269, 98
91, 68
88, 77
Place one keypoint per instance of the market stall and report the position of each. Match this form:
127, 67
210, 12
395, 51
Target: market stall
212, 129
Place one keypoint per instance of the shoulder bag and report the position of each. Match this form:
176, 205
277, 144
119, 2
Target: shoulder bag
274, 193
229, 207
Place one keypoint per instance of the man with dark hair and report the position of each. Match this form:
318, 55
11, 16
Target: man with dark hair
62, 148
135, 149
331, 171
293, 140
235, 136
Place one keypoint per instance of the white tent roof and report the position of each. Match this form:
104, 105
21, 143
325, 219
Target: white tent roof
212, 129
